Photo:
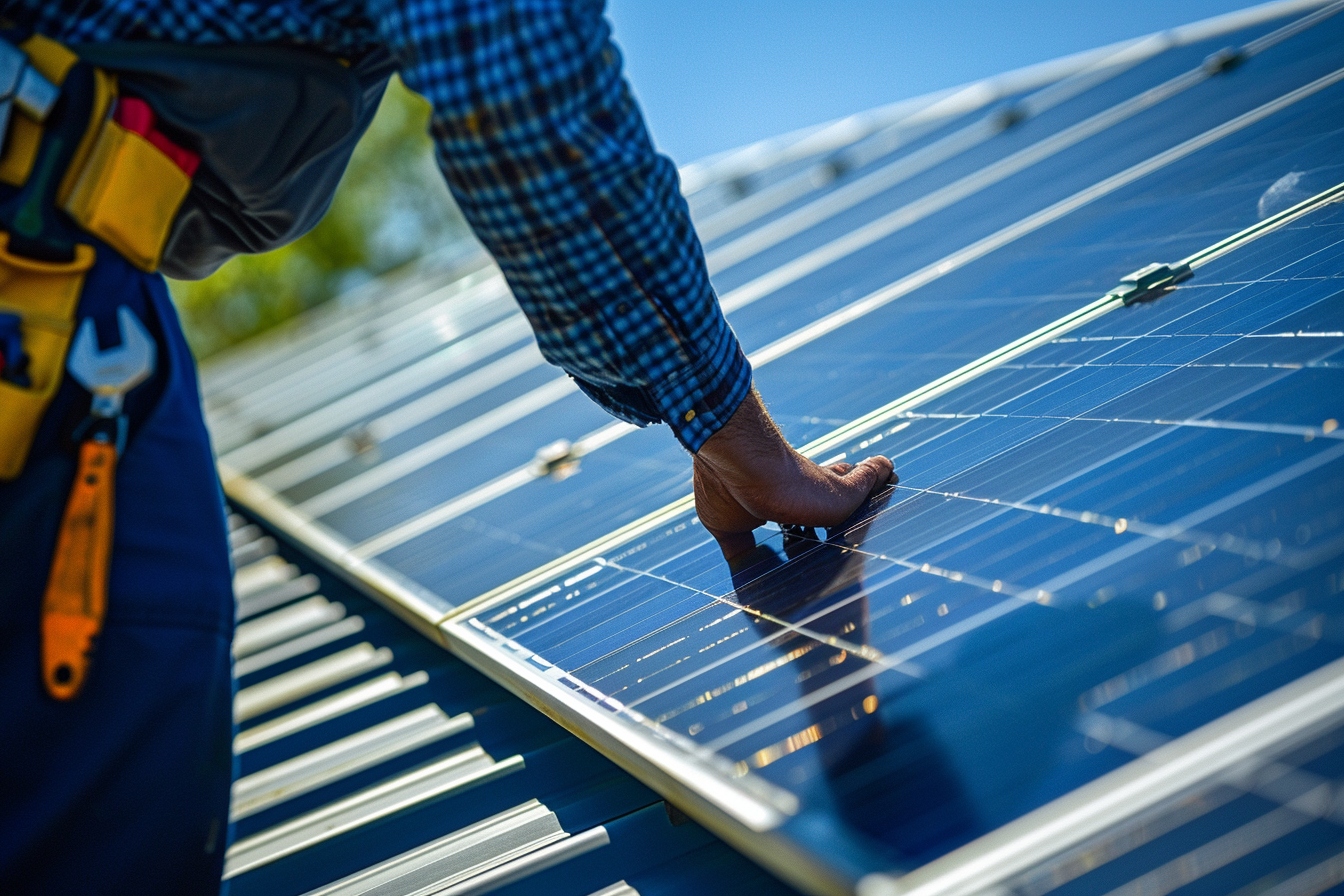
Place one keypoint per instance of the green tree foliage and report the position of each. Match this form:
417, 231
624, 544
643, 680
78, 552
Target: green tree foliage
392, 207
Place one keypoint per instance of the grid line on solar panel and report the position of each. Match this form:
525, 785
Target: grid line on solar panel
1183, 310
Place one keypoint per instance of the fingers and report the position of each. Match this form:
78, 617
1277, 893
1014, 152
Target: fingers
855, 485
872, 471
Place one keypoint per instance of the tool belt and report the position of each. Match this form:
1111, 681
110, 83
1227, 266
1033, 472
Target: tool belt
109, 143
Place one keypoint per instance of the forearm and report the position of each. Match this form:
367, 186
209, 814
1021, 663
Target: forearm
547, 154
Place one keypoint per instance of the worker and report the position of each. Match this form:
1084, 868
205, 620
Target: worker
175, 134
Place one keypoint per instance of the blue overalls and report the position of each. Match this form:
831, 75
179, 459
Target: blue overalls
125, 788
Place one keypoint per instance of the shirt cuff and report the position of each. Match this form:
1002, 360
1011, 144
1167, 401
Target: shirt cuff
696, 401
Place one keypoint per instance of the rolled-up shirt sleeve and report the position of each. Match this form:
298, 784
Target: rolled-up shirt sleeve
546, 152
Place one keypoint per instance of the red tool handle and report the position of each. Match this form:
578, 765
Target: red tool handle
76, 598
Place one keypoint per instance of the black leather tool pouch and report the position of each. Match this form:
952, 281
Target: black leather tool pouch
275, 127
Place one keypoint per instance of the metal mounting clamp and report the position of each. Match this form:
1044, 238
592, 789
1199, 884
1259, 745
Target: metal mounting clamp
1151, 282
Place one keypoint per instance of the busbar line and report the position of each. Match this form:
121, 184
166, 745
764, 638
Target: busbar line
1245, 547
440, 446
1321, 364
1307, 433
360, 354
1305, 334
371, 358
316, 332
968, 186
436, 516
350, 409
368, 436
1196, 518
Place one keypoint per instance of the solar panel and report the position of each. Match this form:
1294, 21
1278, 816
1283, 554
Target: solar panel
1099, 546
1116, 533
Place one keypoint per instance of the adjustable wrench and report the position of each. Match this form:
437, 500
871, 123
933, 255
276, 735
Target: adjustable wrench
76, 597
111, 374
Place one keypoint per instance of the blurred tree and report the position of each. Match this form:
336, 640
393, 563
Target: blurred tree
392, 207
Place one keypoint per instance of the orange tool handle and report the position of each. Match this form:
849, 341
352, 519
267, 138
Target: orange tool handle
76, 598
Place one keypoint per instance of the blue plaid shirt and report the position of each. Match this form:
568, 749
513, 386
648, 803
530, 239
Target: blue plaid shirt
545, 151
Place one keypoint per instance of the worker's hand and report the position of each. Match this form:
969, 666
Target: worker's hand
746, 474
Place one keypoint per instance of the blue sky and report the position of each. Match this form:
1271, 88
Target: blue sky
715, 74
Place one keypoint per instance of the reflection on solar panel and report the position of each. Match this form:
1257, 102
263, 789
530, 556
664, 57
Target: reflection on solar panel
1089, 642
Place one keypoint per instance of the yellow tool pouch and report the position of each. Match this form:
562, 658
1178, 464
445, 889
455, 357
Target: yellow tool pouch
128, 194
117, 185
44, 295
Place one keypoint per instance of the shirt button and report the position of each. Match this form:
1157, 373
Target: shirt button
623, 308
688, 416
